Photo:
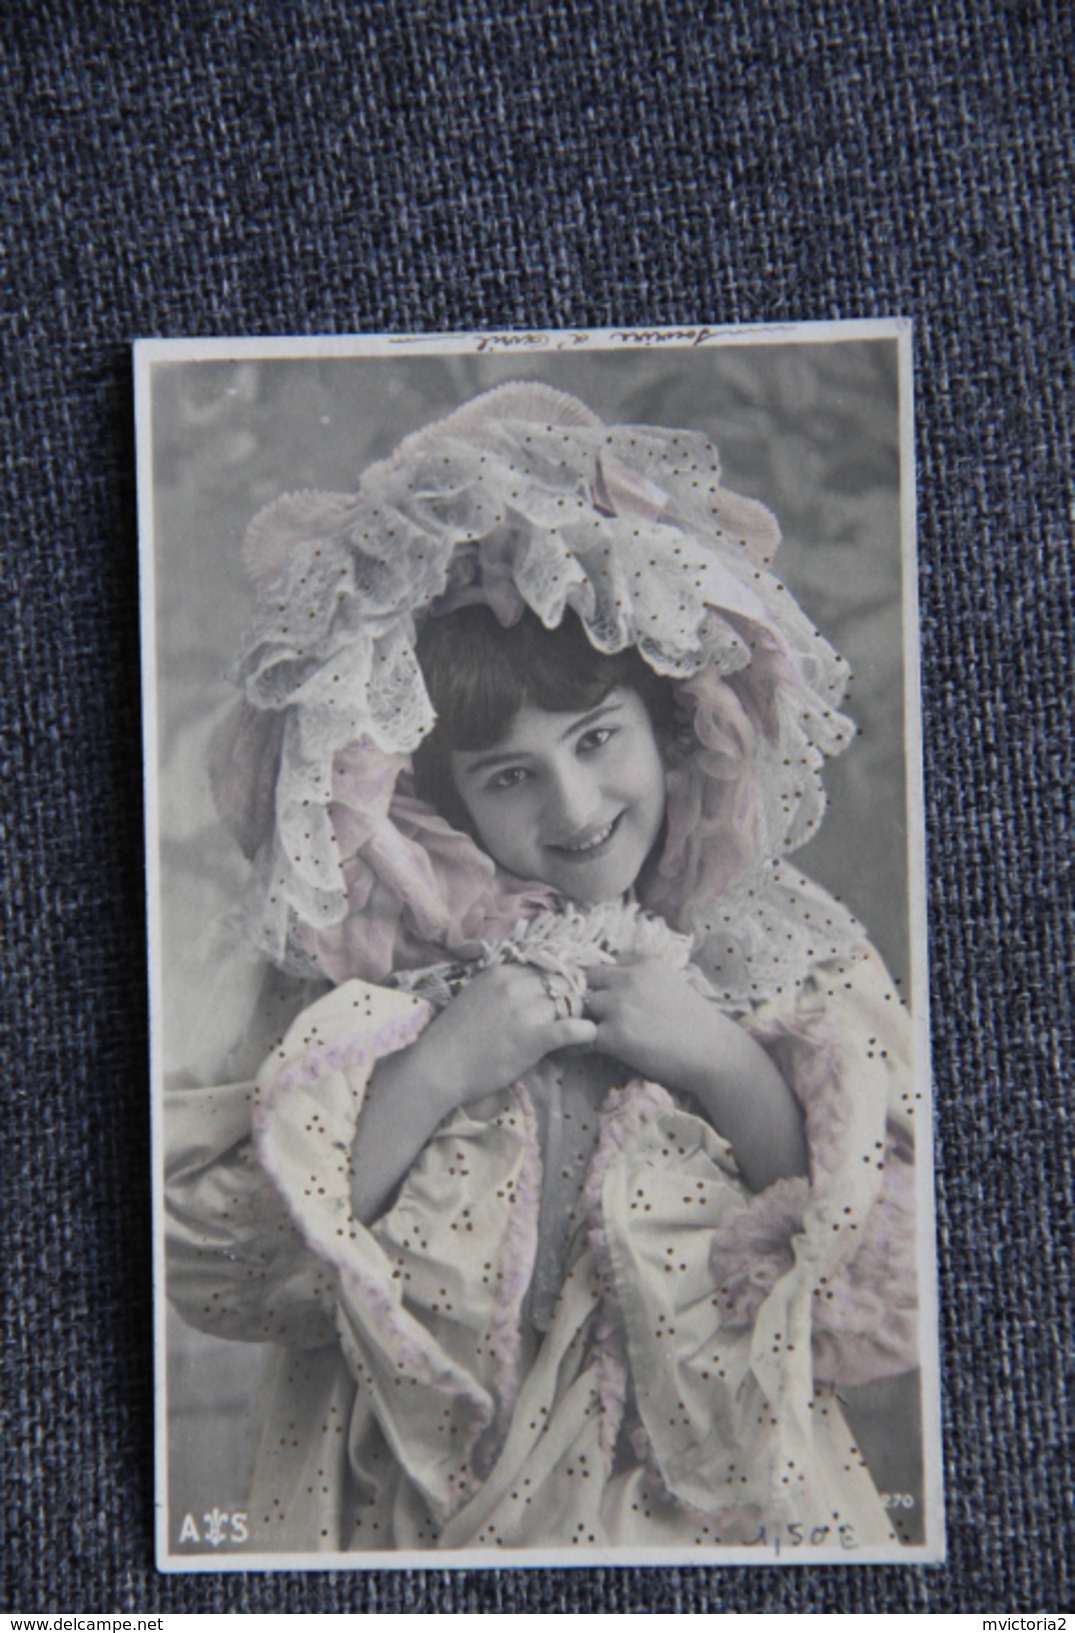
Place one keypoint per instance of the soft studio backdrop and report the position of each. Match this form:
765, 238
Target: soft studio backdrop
335, 167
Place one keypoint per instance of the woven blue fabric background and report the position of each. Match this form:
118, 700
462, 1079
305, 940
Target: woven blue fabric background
344, 165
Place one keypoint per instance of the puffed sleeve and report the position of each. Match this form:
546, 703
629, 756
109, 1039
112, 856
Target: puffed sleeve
845, 1235
428, 1297
236, 1265
737, 1309
239, 1264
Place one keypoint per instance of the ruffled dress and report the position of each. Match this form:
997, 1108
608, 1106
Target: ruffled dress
574, 1325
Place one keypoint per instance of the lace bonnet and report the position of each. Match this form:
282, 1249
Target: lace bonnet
524, 498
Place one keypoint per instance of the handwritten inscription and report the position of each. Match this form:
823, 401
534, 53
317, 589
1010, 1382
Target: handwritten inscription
538, 341
531, 340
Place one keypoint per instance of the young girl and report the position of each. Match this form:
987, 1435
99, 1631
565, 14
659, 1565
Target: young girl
570, 1202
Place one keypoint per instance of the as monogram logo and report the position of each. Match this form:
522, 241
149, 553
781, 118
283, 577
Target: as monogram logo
219, 1527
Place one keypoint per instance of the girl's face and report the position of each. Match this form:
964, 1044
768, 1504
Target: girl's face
575, 801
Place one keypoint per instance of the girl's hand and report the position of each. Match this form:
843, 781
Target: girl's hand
653, 1019
501, 1024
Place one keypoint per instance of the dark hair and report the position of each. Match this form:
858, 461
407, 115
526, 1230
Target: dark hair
480, 676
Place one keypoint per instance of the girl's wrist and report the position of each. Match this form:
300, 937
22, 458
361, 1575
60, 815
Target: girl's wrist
444, 1067
745, 1098
418, 1082
710, 1053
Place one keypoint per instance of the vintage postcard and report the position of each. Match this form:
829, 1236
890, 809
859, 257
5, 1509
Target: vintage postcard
540, 1049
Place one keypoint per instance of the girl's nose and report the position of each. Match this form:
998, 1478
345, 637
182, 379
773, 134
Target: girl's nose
574, 801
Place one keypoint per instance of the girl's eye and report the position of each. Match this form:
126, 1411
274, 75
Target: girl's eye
597, 738
510, 777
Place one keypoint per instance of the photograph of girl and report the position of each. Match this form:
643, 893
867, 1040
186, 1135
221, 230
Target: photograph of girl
540, 1142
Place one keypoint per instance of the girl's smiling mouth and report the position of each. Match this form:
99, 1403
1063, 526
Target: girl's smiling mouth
591, 845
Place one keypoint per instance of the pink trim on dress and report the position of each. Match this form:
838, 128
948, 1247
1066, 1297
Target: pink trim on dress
341, 1056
